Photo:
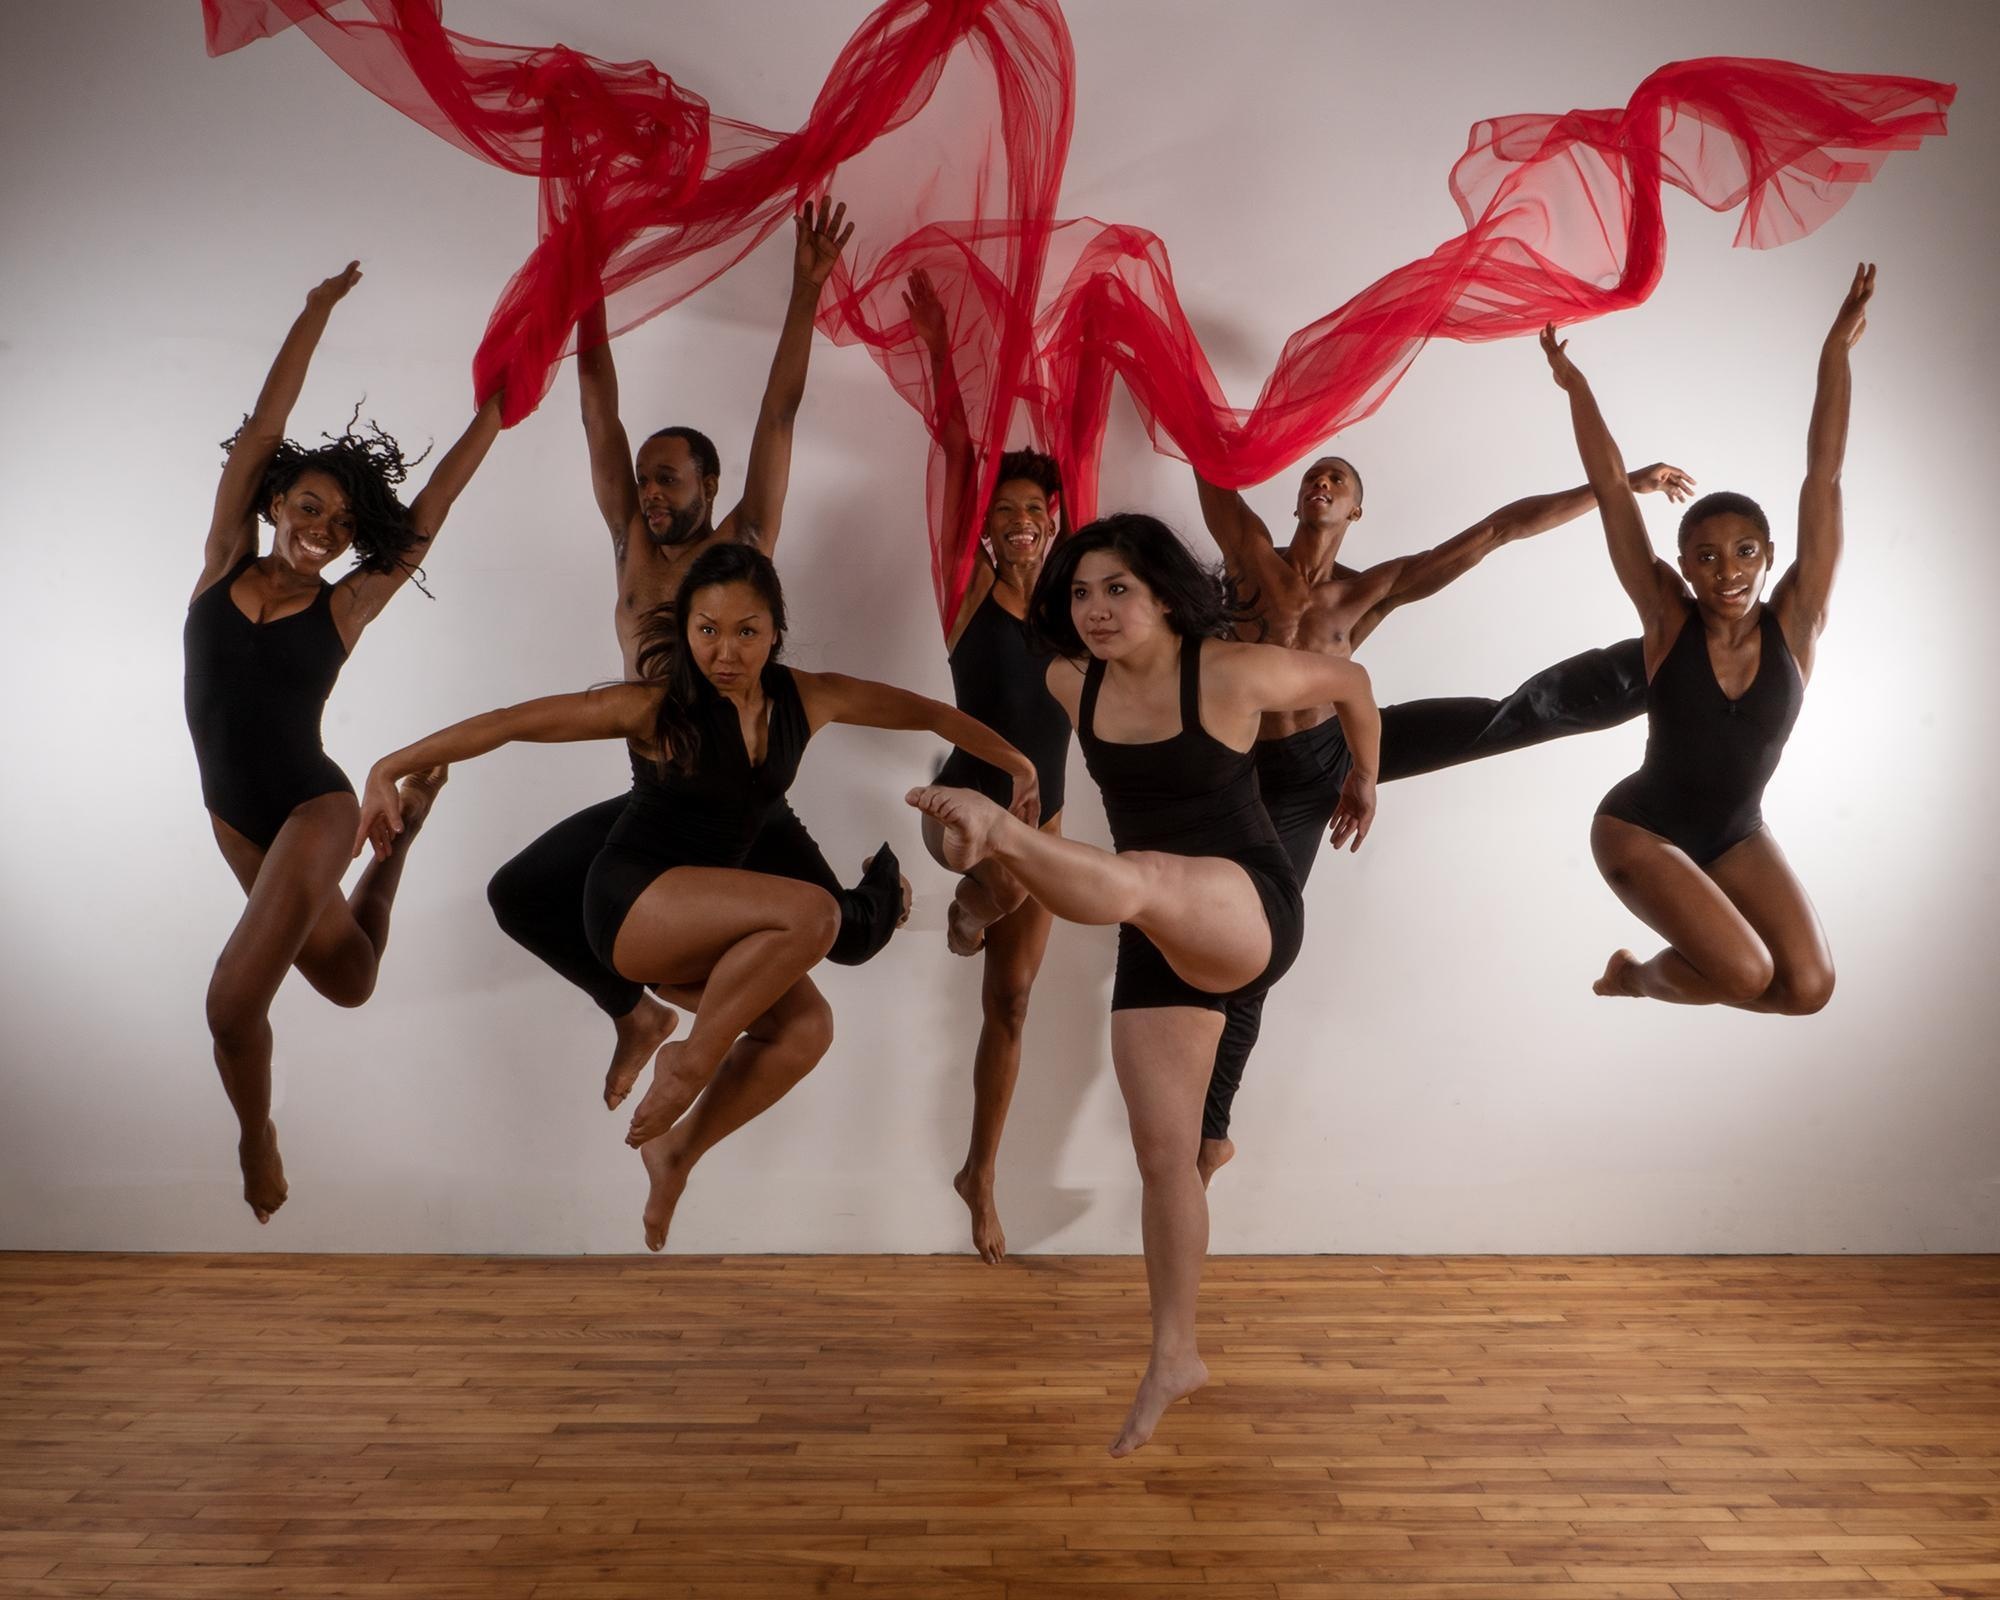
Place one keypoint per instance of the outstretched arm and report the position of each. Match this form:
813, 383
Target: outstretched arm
755, 519
1249, 551
611, 478
948, 423
1397, 582
232, 528
1655, 588
864, 703
1803, 594
616, 711
368, 592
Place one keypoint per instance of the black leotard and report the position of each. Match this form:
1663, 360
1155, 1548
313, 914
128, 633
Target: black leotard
1708, 757
1190, 795
707, 818
254, 693
997, 677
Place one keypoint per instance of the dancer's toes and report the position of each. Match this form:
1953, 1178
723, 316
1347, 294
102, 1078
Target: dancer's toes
987, 1237
264, 1187
417, 793
967, 818
666, 1178
641, 1031
1160, 1388
1215, 1154
671, 1092
1617, 979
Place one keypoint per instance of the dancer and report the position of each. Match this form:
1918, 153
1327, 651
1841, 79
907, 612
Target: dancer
1167, 711
1682, 841
717, 727
999, 677
1303, 597
659, 510
266, 636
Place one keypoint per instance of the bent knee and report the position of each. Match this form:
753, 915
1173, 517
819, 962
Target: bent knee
819, 921
1743, 977
235, 1013
1802, 993
511, 896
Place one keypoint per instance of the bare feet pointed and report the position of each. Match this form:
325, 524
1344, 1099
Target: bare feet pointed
666, 1178
1215, 1155
641, 1031
987, 1237
1618, 974
264, 1187
1160, 1388
967, 818
674, 1088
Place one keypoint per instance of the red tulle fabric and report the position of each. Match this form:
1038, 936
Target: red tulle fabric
945, 125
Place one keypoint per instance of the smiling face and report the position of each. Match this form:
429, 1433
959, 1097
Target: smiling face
1019, 522
1725, 559
674, 498
314, 522
1329, 494
729, 633
1114, 612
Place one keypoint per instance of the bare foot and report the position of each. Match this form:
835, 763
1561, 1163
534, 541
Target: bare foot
641, 1031
671, 1092
1617, 979
417, 793
1215, 1154
968, 819
964, 934
909, 900
987, 1238
667, 1178
263, 1172
1160, 1388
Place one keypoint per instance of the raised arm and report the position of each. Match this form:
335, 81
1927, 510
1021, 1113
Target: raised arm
616, 711
864, 703
1397, 582
948, 421
366, 593
1803, 594
611, 478
755, 519
232, 527
1249, 552
1656, 590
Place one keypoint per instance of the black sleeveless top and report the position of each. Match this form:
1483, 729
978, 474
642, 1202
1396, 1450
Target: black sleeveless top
254, 693
997, 676
1708, 757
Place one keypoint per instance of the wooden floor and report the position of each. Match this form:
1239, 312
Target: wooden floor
434, 1427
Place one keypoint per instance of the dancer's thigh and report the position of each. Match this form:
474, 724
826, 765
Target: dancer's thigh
1162, 1056
1205, 915
1661, 886
688, 918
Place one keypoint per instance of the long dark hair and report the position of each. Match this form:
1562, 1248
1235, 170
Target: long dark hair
369, 465
1202, 602
663, 653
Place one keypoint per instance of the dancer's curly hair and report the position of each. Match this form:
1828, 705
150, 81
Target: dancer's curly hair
369, 465
1723, 502
664, 657
1031, 466
1202, 602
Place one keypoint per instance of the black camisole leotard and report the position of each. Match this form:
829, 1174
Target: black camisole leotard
997, 677
1708, 757
707, 818
254, 693
1190, 795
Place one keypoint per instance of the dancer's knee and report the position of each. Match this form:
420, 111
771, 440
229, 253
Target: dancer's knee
1743, 974
1163, 1158
235, 1007
511, 896
1803, 990
1004, 1005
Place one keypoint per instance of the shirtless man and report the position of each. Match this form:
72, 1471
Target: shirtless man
660, 515
1306, 599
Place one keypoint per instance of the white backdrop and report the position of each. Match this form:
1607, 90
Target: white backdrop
1435, 1076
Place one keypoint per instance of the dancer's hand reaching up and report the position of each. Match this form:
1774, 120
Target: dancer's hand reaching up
1561, 368
1660, 478
323, 296
820, 241
1852, 321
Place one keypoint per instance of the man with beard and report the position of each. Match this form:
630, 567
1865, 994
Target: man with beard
660, 513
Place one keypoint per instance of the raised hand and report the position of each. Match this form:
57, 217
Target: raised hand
1853, 319
1661, 478
820, 240
325, 295
1561, 368
926, 310
1354, 813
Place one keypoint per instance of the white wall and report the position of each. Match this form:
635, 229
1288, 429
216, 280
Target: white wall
1436, 1074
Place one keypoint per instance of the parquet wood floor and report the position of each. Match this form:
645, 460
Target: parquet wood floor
930, 1428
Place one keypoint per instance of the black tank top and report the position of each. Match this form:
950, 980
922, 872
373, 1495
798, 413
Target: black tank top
1190, 795
997, 677
712, 815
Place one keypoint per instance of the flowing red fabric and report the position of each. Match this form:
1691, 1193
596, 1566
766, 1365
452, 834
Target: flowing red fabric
945, 124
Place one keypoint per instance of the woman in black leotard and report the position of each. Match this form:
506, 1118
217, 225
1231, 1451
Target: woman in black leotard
998, 676
716, 728
1167, 713
1683, 841
265, 638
